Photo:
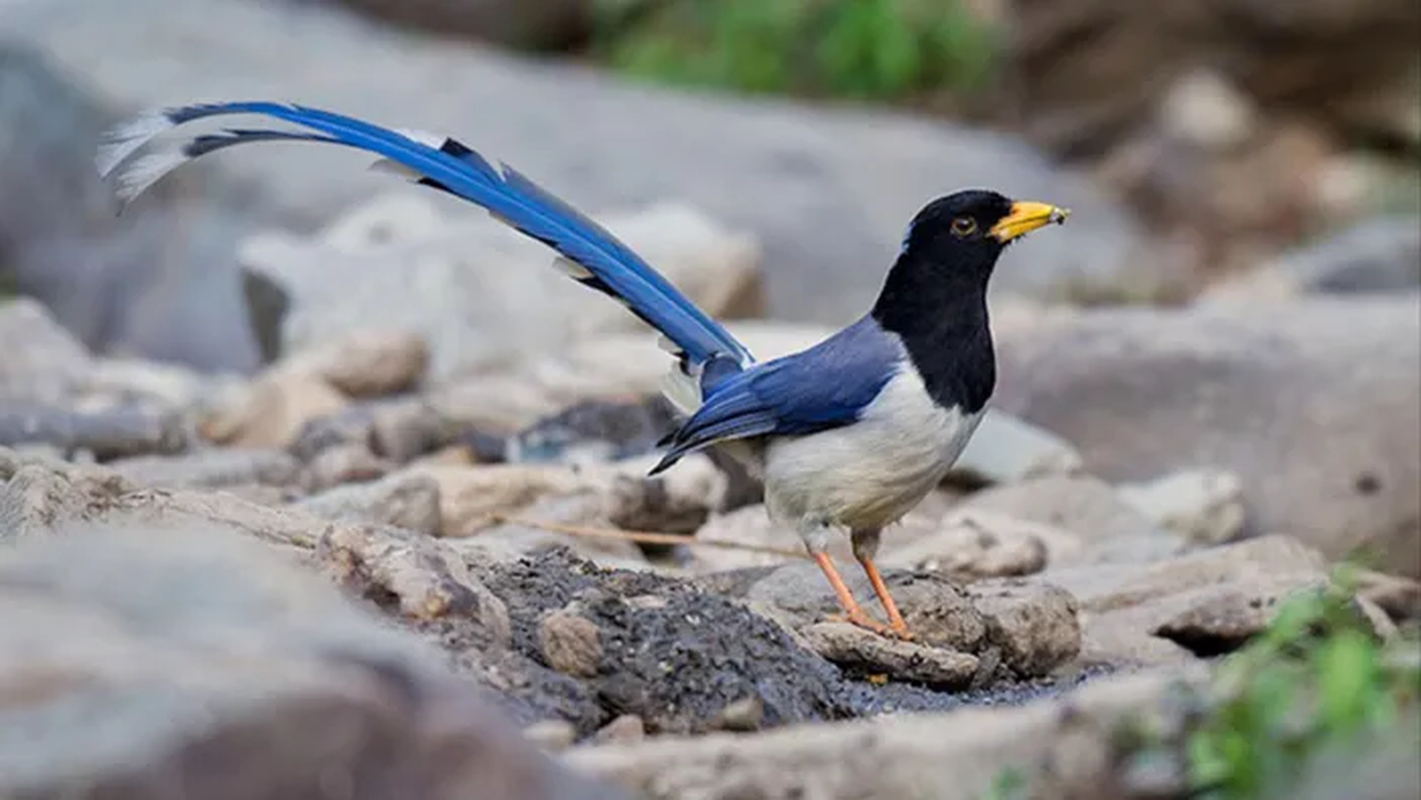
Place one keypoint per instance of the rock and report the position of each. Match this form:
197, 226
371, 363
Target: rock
1143, 393
366, 363
211, 468
570, 643
1374, 256
1032, 626
192, 644
1104, 526
974, 545
418, 579
824, 220
1219, 623
473, 498
273, 410
43, 494
466, 283
1201, 506
403, 500
1062, 748
854, 647
1211, 600
106, 434
1005, 450
158, 385
158, 282
626, 728
347, 463
397, 430
592, 431
41, 360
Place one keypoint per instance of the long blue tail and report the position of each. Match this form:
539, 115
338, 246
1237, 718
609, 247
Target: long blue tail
590, 254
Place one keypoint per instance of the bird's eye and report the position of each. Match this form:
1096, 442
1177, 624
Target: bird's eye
964, 226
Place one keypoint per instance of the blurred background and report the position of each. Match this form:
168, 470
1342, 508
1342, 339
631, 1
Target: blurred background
1207, 148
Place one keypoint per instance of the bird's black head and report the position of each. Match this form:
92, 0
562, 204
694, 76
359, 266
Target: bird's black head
935, 297
962, 234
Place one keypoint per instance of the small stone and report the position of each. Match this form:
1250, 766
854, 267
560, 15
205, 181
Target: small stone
866, 651
570, 643
1035, 625
978, 544
1221, 621
1203, 506
624, 728
343, 464
745, 714
938, 611
272, 411
415, 577
369, 363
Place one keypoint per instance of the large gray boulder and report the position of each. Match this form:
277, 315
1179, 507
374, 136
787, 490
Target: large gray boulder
1313, 405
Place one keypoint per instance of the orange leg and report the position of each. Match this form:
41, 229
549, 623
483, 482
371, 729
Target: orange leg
895, 619
852, 611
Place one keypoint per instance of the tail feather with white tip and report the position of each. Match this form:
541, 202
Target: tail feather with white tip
588, 253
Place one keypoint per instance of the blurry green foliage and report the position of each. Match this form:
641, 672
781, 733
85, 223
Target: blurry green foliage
863, 49
1303, 710
1317, 680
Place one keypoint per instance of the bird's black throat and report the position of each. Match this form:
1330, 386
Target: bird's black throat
937, 304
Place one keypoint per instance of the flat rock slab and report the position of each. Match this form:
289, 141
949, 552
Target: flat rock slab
852, 646
1026, 627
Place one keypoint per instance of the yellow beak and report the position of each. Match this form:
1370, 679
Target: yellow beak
1025, 217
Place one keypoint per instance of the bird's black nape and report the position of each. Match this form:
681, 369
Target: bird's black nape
935, 296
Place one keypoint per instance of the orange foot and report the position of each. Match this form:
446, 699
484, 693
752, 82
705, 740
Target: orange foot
866, 622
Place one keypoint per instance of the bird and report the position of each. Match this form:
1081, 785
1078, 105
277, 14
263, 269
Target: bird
847, 435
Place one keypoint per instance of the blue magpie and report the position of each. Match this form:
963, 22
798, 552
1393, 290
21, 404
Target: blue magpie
849, 434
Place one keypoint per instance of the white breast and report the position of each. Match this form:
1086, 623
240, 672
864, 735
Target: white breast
869, 474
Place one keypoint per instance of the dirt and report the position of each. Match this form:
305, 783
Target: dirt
687, 661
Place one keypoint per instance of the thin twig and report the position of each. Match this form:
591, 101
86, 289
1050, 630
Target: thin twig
645, 537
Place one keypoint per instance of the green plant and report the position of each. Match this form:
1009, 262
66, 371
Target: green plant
1317, 680
866, 49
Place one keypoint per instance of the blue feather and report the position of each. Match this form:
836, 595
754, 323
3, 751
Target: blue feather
453, 167
823, 387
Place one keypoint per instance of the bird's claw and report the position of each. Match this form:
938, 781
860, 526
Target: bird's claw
866, 622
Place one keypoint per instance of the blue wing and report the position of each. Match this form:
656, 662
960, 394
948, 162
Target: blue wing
591, 255
823, 387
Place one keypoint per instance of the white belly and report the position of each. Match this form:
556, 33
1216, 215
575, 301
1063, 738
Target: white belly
867, 475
